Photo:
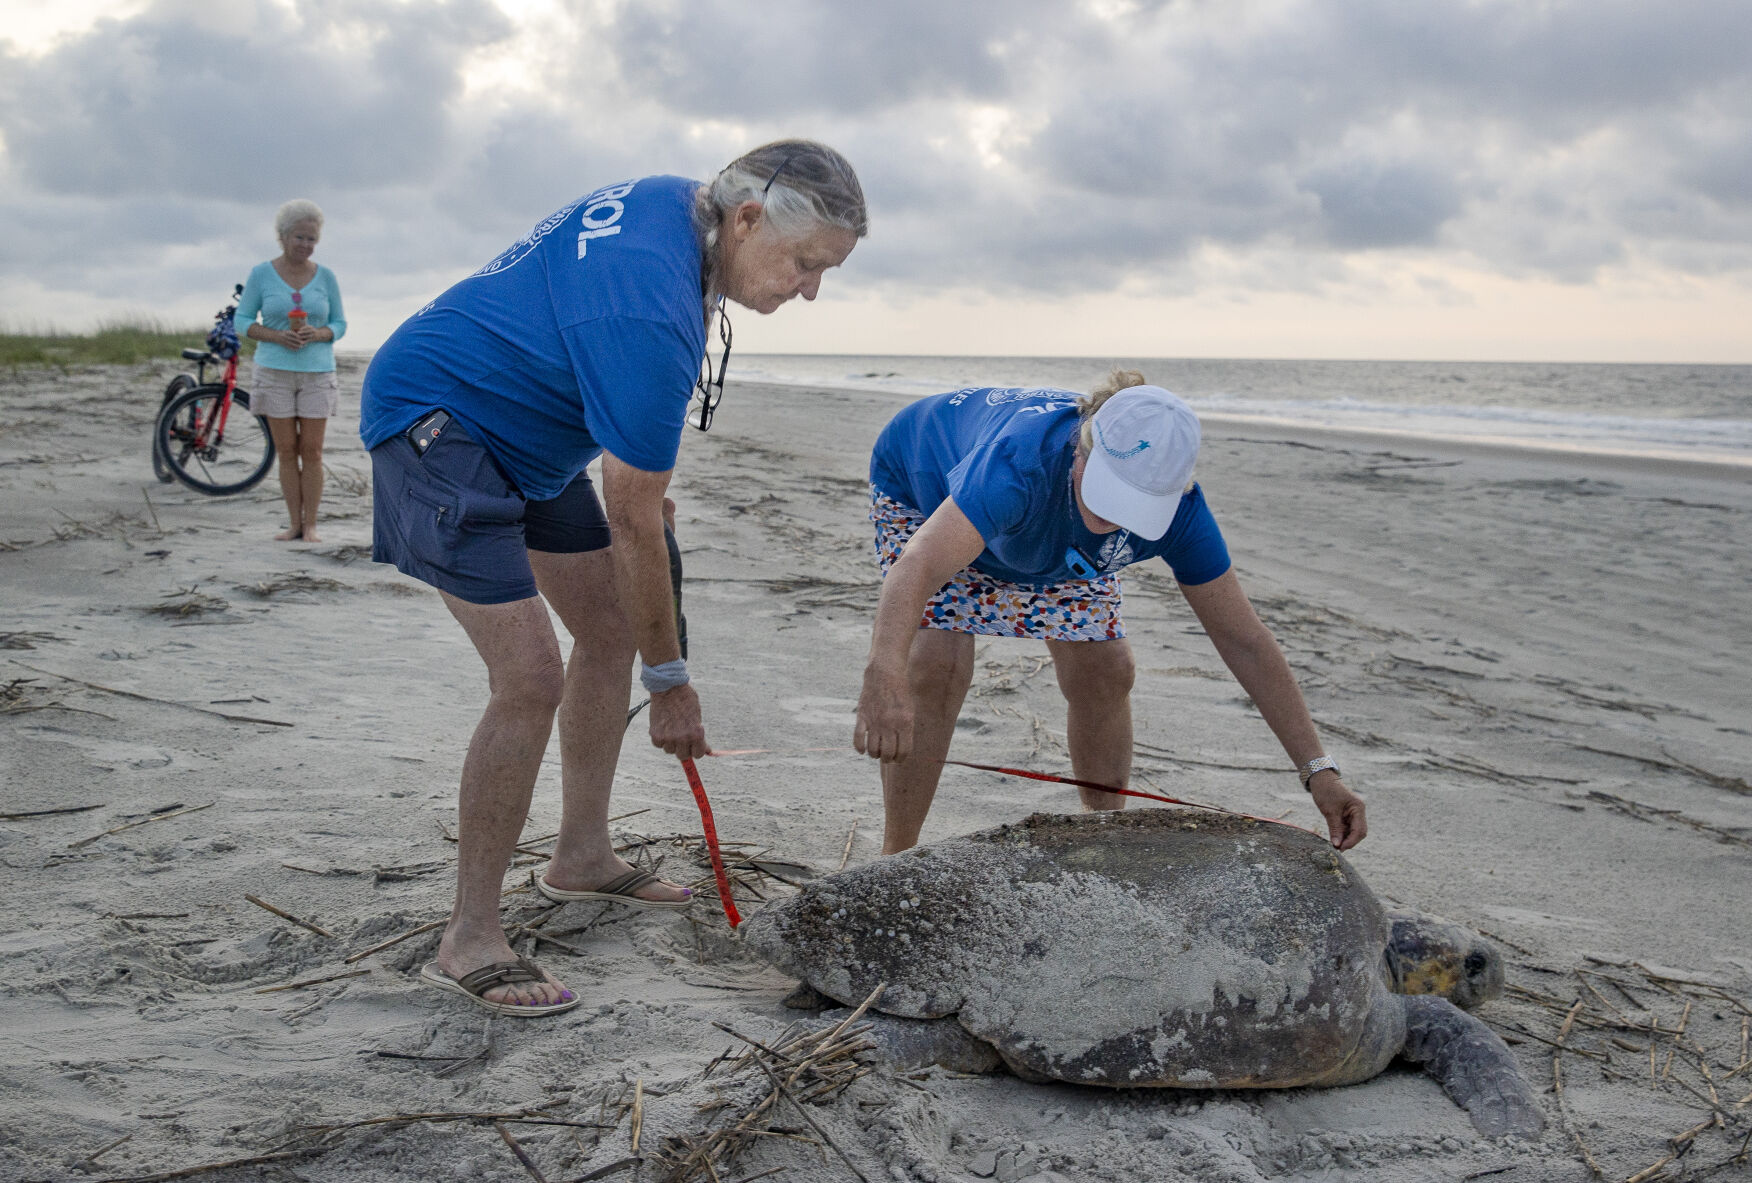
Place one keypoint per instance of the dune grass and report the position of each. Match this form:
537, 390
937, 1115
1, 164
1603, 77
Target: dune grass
122, 343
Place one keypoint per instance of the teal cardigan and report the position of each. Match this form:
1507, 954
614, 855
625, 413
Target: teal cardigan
265, 292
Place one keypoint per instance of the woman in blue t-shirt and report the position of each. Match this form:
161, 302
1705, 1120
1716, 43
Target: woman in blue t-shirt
1008, 512
583, 339
294, 384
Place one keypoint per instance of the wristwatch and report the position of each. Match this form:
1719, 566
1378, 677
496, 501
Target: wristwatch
1317, 764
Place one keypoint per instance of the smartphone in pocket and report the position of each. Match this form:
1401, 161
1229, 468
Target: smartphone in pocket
425, 433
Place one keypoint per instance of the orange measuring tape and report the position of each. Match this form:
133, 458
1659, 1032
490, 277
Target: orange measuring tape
699, 793
1089, 784
711, 830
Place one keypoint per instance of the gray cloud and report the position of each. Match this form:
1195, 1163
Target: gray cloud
1010, 147
808, 56
164, 104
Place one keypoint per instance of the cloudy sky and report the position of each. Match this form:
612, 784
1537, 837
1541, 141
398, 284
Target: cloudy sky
1519, 179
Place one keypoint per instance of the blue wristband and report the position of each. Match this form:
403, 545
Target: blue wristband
658, 678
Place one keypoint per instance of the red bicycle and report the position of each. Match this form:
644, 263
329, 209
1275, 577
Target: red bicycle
196, 439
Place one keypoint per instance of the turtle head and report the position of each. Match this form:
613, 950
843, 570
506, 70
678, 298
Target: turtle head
1429, 955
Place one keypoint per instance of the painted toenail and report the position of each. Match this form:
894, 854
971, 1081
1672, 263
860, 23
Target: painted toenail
566, 996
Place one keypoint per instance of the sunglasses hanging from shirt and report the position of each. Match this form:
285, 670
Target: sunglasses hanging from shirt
709, 386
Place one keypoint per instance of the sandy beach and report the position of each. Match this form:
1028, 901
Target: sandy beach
1534, 665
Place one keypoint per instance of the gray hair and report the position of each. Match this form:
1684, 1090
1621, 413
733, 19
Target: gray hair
799, 184
297, 210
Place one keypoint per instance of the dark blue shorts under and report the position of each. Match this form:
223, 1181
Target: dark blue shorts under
451, 519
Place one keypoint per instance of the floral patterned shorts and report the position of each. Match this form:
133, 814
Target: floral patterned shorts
1076, 610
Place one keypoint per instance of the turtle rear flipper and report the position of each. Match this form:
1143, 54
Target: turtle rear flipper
1473, 1066
905, 1044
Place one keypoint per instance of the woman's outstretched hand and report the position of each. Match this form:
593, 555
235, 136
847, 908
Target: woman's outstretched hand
884, 729
1343, 810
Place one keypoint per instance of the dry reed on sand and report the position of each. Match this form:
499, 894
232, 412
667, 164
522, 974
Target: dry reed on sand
802, 1069
1667, 1016
186, 601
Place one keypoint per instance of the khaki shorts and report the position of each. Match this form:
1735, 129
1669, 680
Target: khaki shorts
293, 394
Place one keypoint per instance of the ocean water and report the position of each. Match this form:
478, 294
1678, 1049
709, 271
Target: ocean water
1670, 411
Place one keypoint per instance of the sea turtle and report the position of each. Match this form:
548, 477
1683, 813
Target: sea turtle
1154, 948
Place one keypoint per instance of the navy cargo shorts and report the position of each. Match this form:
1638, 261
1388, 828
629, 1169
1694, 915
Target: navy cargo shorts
450, 518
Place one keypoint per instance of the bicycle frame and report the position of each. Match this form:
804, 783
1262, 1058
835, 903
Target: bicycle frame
209, 431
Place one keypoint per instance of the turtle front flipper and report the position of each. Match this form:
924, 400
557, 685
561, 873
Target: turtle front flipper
1473, 1066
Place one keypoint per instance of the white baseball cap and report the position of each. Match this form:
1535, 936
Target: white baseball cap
1145, 445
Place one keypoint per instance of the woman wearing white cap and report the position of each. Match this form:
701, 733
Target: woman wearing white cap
1007, 512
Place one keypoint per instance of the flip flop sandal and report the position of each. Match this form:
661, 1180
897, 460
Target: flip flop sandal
618, 890
501, 973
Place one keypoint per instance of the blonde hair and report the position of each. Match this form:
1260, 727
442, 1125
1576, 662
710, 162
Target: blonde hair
1116, 381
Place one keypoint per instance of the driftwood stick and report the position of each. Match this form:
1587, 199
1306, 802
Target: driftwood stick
1574, 1051
1557, 1087
787, 1060
162, 701
1715, 1099
857, 1014
1650, 1171
97, 1154
313, 981
764, 1174
284, 915
1582, 977
382, 945
204, 1168
847, 852
516, 1115
145, 821
522, 1155
638, 1112
17, 817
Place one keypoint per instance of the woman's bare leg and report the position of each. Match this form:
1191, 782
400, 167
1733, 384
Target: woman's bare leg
593, 718
285, 433
940, 669
310, 437
1096, 680
525, 680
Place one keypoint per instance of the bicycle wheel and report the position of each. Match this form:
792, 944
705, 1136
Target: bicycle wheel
202, 459
160, 469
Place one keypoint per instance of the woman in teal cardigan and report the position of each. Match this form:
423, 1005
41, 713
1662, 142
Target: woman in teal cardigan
294, 383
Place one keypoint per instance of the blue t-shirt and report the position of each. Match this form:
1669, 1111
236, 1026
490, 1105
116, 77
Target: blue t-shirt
586, 334
1005, 455
266, 293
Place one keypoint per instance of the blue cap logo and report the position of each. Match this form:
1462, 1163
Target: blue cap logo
1101, 438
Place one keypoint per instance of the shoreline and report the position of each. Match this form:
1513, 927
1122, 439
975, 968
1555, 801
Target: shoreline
1713, 468
1653, 458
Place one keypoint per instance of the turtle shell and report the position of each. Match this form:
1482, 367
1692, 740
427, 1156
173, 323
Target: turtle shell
1135, 948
